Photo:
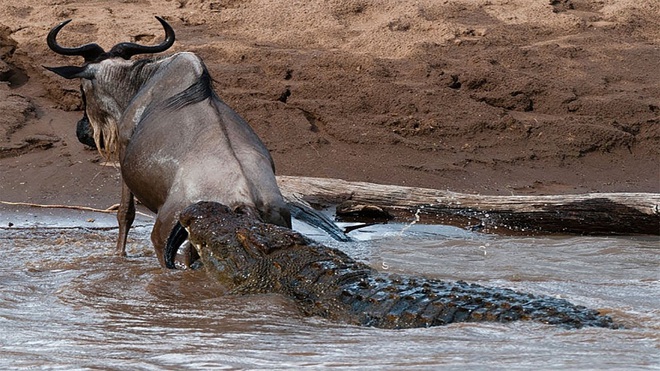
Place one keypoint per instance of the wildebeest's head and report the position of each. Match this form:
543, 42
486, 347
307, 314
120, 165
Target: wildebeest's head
109, 81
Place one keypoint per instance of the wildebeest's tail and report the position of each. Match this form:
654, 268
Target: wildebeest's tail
178, 236
302, 211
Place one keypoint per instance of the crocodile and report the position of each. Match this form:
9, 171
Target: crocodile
248, 256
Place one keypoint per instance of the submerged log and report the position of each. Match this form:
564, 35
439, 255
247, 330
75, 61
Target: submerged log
590, 213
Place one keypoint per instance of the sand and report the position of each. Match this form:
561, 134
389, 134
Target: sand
478, 96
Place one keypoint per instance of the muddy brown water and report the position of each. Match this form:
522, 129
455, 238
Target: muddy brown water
67, 303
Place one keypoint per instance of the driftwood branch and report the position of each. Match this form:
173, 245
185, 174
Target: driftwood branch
110, 210
591, 213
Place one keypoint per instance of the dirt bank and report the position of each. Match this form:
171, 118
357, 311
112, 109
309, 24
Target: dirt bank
495, 97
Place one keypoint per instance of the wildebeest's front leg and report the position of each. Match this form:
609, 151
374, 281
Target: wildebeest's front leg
125, 217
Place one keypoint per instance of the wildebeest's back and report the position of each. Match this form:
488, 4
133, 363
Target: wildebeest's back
190, 146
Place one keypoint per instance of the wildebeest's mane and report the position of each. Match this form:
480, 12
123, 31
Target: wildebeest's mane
143, 69
200, 90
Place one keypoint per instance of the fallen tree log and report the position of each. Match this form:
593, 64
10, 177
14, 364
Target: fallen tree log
591, 213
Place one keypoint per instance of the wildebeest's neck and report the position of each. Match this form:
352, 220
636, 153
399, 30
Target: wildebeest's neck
123, 80
123, 93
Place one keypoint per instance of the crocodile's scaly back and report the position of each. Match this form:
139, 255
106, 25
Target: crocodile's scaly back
249, 257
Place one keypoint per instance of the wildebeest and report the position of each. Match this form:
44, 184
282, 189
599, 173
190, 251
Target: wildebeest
176, 142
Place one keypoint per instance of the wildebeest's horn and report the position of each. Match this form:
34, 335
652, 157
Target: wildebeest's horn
88, 51
127, 50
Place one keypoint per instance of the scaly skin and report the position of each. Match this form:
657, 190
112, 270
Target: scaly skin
251, 257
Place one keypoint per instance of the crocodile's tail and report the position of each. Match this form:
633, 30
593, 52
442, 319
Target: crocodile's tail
408, 302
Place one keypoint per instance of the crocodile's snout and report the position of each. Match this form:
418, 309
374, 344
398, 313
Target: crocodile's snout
202, 210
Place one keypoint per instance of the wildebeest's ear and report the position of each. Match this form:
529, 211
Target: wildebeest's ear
72, 72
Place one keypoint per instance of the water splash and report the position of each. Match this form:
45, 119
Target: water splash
484, 248
415, 221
